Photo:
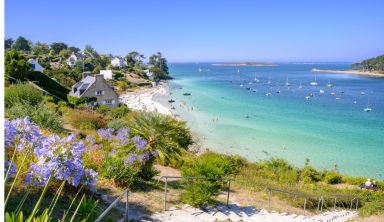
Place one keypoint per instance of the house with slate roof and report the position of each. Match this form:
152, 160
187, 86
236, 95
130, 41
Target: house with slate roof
75, 57
95, 86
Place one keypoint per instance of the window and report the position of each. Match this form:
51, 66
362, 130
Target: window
99, 92
109, 101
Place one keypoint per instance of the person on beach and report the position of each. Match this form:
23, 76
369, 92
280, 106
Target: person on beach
374, 185
368, 183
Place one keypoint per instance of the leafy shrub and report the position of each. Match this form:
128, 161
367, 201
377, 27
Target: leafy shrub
117, 124
210, 165
103, 109
310, 175
119, 112
22, 93
80, 100
48, 84
40, 114
333, 177
122, 174
85, 120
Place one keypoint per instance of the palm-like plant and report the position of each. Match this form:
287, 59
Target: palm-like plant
164, 133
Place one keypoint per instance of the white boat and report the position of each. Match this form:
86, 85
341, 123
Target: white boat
200, 70
250, 83
256, 79
287, 82
368, 108
268, 94
300, 86
307, 97
269, 81
241, 85
314, 83
321, 91
238, 70
329, 85
362, 93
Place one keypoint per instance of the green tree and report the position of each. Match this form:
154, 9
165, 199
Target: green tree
40, 48
90, 51
58, 46
8, 43
160, 68
22, 44
74, 49
65, 53
134, 58
16, 65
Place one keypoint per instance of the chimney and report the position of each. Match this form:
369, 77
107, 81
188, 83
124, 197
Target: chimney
85, 74
99, 77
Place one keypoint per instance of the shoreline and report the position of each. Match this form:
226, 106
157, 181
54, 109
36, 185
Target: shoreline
355, 72
142, 100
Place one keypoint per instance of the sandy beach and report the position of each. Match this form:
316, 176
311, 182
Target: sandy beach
356, 72
142, 100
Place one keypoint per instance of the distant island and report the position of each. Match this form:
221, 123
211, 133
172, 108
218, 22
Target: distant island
245, 64
368, 67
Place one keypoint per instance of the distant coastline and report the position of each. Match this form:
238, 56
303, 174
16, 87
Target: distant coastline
245, 64
356, 72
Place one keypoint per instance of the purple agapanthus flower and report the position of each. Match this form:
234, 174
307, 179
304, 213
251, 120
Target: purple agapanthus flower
123, 136
12, 170
105, 134
132, 157
91, 140
155, 153
145, 157
139, 142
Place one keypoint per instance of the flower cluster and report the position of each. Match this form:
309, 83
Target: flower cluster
57, 157
139, 142
122, 135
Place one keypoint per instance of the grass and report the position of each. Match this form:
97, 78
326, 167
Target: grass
62, 204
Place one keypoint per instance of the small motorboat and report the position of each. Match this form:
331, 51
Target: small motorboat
362, 93
171, 101
186, 94
268, 94
333, 94
329, 85
321, 91
241, 85
248, 88
368, 108
314, 83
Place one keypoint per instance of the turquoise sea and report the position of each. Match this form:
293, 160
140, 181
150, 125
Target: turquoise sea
252, 112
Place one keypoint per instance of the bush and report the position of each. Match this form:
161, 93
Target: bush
310, 175
48, 84
117, 124
122, 174
40, 114
85, 120
333, 177
210, 165
22, 94
80, 100
103, 109
119, 112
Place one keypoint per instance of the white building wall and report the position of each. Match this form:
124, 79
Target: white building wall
107, 74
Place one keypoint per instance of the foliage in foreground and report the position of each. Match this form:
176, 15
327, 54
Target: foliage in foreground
209, 165
39, 161
165, 134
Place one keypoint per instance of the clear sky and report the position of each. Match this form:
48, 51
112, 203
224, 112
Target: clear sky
208, 30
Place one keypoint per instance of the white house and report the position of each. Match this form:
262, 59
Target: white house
148, 73
107, 74
117, 62
75, 57
35, 65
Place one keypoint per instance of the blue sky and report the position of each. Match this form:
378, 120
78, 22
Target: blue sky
203, 30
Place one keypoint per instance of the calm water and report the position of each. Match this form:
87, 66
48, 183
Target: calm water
327, 129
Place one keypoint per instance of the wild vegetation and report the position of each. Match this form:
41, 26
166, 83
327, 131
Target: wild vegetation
372, 64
